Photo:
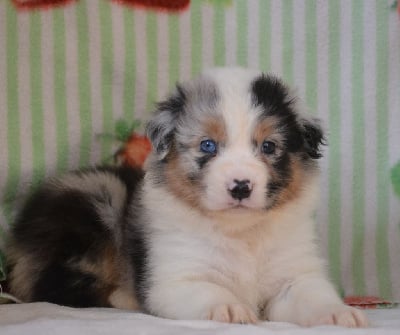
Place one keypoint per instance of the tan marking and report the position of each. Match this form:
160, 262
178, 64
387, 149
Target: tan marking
105, 268
115, 286
299, 177
123, 299
215, 128
178, 185
24, 272
264, 129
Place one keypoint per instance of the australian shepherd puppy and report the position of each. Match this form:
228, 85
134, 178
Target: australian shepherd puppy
219, 227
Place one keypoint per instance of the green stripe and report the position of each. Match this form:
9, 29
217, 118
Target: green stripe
241, 33
334, 142
59, 90
107, 62
174, 48
358, 188
287, 30
311, 55
84, 83
13, 117
152, 55
219, 35
38, 159
265, 34
130, 65
382, 158
196, 34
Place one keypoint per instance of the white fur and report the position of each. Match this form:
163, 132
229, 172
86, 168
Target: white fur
237, 161
197, 268
241, 264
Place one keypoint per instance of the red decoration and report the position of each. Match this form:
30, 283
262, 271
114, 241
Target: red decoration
367, 302
40, 4
134, 151
166, 5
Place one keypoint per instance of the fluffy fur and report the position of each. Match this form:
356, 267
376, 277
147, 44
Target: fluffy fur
219, 228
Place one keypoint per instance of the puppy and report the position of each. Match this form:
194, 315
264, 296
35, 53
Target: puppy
220, 226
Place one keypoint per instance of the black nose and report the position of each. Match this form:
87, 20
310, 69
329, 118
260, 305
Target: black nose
241, 190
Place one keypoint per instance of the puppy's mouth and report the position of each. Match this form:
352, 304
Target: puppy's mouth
239, 205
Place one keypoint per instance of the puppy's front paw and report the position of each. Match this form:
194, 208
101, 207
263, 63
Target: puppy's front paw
339, 315
232, 313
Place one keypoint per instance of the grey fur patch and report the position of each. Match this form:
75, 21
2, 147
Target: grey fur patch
177, 117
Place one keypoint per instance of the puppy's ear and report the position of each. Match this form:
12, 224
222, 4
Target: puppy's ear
161, 127
313, 137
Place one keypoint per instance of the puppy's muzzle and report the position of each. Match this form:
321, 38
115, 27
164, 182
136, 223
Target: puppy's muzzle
240, 189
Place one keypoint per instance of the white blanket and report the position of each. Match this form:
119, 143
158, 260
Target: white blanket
44, 318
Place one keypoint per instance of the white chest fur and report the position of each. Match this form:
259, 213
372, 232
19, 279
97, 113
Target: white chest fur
253, 264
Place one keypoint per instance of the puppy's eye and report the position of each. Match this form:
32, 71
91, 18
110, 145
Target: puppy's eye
208, 146
268, 147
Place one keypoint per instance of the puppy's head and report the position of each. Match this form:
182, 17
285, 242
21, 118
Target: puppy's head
233, 139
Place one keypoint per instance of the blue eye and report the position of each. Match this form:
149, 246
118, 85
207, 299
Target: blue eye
268, 147
208, 146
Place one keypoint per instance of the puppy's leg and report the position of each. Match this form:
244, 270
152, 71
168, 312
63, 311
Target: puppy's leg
311, 301
198, 300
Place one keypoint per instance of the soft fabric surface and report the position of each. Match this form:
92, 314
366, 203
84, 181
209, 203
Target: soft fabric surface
43, 318
68, 74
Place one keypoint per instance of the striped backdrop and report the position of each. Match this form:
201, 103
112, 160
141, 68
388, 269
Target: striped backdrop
66, 76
